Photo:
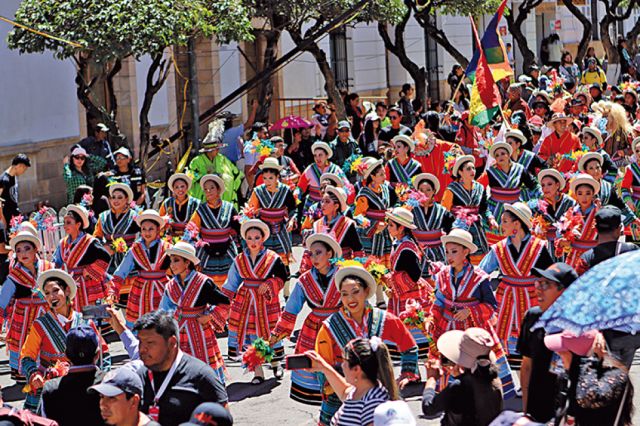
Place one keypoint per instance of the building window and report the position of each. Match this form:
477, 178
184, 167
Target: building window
339, 63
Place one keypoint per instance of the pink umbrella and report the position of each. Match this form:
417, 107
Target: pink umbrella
290, 122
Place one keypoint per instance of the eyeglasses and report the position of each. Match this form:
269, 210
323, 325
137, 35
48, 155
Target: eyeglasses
542, 285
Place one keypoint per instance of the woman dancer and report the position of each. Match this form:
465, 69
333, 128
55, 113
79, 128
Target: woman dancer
180, 206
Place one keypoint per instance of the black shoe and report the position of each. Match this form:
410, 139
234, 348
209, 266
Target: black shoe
278, 372
381, 305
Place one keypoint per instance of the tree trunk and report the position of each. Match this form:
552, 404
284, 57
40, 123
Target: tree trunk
265, 88
607, 43
423, 18
632, 39
419, 74
330, 85
514, 23
161, 68
586, 30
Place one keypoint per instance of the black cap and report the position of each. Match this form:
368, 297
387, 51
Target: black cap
608, 218
82, 344
543, 104
560, 273
124, 379
616, 89
596, 86
577, 102
210, 413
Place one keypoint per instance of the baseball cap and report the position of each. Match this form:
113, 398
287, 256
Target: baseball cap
393, 413
210, 413
82, 344
124, 151
102, 127
124, 379
596, 86
560, 273
608, 218
567, 341
344, 124
78, 150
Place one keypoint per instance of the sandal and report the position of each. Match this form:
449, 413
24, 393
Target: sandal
257, 380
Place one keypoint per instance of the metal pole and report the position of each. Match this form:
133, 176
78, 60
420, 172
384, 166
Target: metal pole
194, 99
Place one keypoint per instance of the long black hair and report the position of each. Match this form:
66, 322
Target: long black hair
376, 365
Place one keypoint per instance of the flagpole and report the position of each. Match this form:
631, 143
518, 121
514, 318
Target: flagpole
453, 97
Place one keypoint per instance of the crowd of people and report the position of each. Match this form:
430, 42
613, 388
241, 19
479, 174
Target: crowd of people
429, 244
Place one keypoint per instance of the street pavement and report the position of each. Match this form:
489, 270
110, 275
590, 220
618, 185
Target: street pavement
269, 402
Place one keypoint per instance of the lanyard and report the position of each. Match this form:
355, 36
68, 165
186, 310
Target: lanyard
166, 380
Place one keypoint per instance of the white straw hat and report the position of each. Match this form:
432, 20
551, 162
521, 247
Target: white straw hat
25, 236
185, 250
460, 161
117, 186
151, 215
461, 237
401, 216
270, 163
582, 163
554, 174
584, 179
80, 211
500, 145
255, 223
180, 176
371, 166
593, 132
435, 183
60, 274
339, 193
323, 146
327, 239
405, 140
214, 178
516, 134
359, 272
521, 211
333, 178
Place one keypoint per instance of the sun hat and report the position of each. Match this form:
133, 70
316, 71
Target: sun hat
80, 211
558, 116
521, 211
516, 134
589, 156
635, 142
124, 151
371, 166
255, 223
567, 341
339, 194
554, 174
185, 250
360, 272
500, 145
323, 146
25, 236
216, 179
401, 216
432, 179
593, 132
465, 347
28, 227
151, 215
405, 140
460, 161
333, 178
180, 176
584, 179
59, 274
78, 150
328, 240
117, 186
270, 163
460, 236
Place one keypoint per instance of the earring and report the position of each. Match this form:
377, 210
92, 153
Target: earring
514, 232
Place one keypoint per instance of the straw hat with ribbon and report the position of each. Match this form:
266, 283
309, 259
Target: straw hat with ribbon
521, 211
255, 223
500, 145
589, 156
270, 163
185, 250
584, 179
80, 211
371, 166
25, 236
461, 237
460, 161
180, 176
323, 146
121, 187
339, 194
593, 132
405, 140
214, 178
516, 134
427, 177
151, 215
558, 116
333, 178
401, 216
360, 272
326, 239
553, 173
61, 275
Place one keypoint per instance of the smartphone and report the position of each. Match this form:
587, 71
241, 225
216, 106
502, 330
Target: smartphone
297, 362
95, 312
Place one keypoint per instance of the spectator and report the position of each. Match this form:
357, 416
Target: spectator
210, 414
76, 172
368, 380
174, 382
591, 53
355, 114
455, 76
569, 69
232, 140
127, 173
510, 58
594, 74
539, 385
408, 114
393, 413
461, 101
396, 128
82, 352
474, 397
534, 73
84, 197
9, 186
381, 110
120, 397
555, 50
99, 149
369, 138
515, 101
294, 148
625, 58
344, 146
321, 118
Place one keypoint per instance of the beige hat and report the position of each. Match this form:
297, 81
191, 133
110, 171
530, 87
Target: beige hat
584, 179
333, 178
432, 179
401, 216
216, 179
255, 223
460, 161
151, 215
121, 187
60, 274
500, 145
25, 236
80, 211
588, 157
270, 163
516, 134
359, 272
593, 132
521, 211
406, 140
558, 116
328, 240
323, 146
180, 176
635, 142
339, 193
554, 174
28, 227
462, 237
371, 166
185, 250
464, 347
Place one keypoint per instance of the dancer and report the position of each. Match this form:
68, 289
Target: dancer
180, 206
401, 168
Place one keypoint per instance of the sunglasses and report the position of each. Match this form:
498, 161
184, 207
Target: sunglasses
394, 117
343, 131
79, 157
542, 285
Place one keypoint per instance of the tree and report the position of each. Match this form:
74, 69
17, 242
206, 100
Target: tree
113, 30
583, 45
614, 11
514, 23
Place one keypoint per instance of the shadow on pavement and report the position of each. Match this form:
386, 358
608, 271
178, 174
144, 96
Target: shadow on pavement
239, 391
13, 393
412, 390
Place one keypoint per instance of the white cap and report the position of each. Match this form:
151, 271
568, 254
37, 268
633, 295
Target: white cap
393, 413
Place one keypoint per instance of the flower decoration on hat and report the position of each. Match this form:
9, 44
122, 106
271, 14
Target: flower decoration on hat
557, 82
43, 220
449, 162
14, 225
246, 213
629, 85
465, 217
264, 148
352, 163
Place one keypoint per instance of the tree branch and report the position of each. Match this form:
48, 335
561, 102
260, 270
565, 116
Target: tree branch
586, 30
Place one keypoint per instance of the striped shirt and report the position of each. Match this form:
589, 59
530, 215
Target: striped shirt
360, 412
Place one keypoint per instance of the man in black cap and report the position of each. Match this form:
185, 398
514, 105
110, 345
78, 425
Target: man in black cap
120, 396
65, 399
595, 91
210, 413
609, 227
534, 73
539, 385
